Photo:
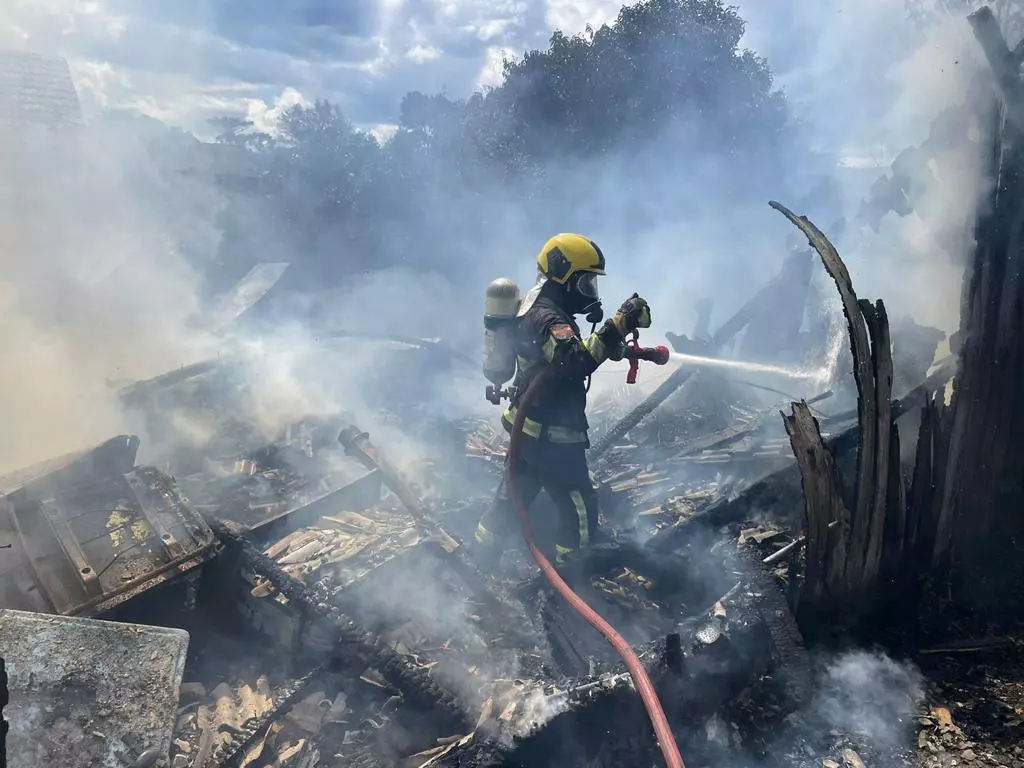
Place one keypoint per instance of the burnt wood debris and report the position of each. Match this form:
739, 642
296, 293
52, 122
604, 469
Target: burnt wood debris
337, 614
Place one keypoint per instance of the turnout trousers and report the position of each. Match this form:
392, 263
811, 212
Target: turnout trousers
559, 469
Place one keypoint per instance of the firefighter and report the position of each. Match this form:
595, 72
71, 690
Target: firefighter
554, 441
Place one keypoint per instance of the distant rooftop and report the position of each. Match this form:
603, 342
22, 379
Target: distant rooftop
37, 89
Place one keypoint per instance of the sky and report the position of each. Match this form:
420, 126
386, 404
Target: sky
184, 61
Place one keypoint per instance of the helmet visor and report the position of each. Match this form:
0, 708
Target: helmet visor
586, 285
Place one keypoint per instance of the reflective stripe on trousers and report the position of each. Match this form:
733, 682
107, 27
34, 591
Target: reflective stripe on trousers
535, 429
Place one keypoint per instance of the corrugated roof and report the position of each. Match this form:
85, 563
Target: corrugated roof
37, 89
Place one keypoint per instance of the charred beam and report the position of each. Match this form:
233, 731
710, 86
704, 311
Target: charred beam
1005, 65
357, 444
895, 530
232, 754
678, 378
916, 397
416, 684
979, 487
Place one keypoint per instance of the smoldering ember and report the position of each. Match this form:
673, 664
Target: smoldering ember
811, 503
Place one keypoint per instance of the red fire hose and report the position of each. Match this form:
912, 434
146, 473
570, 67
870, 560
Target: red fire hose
666, 741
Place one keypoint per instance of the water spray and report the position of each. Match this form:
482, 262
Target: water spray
749, 367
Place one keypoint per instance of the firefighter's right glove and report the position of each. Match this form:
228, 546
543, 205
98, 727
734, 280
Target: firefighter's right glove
634, 313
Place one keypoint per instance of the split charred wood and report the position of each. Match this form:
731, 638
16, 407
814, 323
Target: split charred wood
881, 374
867, 407
942, 428
981, 486
823, 499
922, 489
873, 525
895, 531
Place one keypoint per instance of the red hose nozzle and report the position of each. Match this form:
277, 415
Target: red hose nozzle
658, 355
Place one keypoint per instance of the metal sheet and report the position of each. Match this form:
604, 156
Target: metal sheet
96, 532
37, 89
87, 693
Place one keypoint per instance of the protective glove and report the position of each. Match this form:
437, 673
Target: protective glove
634, 313
617, 351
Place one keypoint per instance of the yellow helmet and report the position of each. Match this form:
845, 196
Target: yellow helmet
566, 255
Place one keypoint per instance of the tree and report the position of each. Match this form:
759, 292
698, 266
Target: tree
663, 62
668, 80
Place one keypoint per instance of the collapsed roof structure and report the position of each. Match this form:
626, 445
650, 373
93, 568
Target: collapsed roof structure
335, 618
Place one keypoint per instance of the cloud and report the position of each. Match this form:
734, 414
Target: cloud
492, 71
575, 15
185, 61
264, 117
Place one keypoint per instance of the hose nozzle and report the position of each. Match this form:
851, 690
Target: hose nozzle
658, 355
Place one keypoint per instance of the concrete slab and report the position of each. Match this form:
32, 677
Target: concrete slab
87, 693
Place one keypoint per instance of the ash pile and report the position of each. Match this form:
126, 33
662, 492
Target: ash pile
335, 613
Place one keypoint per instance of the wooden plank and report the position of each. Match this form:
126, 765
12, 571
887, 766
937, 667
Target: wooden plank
823, 500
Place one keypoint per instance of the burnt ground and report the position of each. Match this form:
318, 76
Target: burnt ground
265, 688
974, 713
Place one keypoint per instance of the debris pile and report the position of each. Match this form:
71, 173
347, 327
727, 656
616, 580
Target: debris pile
336, 611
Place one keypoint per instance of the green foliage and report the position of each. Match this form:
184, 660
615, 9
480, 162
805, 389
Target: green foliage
668, 74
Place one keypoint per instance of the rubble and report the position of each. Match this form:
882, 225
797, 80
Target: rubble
337, 613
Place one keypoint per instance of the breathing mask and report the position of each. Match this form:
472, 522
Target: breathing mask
585, 297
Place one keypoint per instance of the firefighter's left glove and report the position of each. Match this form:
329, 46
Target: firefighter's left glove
634, 313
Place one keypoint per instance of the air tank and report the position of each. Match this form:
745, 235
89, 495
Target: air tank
501, 305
